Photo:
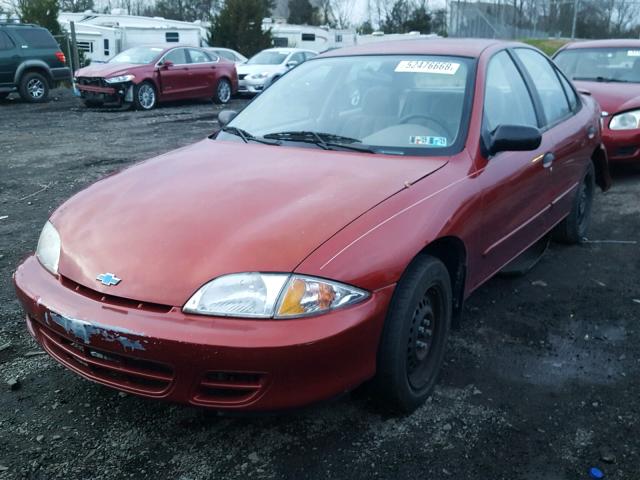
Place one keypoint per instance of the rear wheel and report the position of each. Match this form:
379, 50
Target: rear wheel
415, 335
574, 228
34, 88
223, 92
144, 96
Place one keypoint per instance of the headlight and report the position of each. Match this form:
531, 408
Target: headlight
266, 295
48, 251
120, 79
258, 76
626, 121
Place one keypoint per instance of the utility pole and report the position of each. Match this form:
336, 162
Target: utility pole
575, 19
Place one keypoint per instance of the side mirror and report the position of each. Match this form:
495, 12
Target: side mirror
166, 64
513, 138
292, 64
225, 116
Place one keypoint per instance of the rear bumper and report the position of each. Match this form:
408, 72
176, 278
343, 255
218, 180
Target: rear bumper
61, 74
213, 362
623, 146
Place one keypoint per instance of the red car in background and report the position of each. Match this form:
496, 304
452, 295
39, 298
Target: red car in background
145, 76
610, 71
327, 235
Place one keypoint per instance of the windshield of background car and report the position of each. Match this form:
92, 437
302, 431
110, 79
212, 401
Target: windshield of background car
601, 64
268, 58
137, 55
399, 104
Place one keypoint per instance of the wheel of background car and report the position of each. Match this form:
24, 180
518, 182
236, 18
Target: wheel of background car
144, 96
574, 227
34, 88
444, 131
414, 336
223, 91
3, 95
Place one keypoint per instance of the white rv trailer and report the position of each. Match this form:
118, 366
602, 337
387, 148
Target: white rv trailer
101, 36
314, 38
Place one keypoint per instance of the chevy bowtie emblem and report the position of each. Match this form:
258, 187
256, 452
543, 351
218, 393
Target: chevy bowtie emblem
108, 279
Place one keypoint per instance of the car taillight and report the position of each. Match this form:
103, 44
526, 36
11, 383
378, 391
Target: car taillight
60, 56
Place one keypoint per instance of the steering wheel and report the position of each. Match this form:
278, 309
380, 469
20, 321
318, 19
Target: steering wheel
441, 128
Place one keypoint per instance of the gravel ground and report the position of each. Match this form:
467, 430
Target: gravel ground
541, 382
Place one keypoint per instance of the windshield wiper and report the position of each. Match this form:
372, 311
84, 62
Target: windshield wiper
327, 141
600, 79
247, 137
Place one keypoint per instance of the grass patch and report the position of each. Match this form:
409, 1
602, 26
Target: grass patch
548, 46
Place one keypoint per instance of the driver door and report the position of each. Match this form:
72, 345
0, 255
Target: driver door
174, 78
515, 197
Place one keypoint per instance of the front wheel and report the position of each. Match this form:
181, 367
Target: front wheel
415, 335
574, 227
144, 96
223, 92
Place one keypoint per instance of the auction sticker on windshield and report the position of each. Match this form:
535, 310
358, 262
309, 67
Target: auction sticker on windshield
430, 141
633, 53
421, 66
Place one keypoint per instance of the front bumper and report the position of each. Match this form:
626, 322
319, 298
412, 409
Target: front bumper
623, 146
207, 361
248, 85
114, 93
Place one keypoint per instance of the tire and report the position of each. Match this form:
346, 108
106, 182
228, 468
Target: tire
93, 103
223, 92
574, 227
3, 95
34, 88
145, 96
409, 359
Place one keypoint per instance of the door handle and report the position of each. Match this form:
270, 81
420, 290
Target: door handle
548, 159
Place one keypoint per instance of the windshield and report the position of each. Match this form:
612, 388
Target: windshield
137, 55
268, 58
398, 104
601, 64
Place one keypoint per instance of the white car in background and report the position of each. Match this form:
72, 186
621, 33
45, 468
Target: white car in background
227, 54
265, 67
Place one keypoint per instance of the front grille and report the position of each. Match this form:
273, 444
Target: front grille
225, 388
627, 150
119, 371
241, 76
112, 299
93, 81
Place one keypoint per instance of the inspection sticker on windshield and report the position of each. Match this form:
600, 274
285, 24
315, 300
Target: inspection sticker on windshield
421, 66
428, 141
633, 53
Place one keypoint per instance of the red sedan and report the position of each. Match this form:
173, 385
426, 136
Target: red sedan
328, 235
610, 71
144, 76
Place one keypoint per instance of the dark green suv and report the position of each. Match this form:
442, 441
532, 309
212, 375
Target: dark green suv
31, 62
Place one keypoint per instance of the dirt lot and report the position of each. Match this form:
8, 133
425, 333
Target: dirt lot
541, 382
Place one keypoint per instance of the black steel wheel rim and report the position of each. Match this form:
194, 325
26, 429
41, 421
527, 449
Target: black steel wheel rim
584, 200
427, 317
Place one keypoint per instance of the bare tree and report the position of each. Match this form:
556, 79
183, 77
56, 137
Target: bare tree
342, 12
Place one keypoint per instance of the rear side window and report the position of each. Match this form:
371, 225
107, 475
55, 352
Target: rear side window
36, 37
547, 83
5, 42
506, 98
227, 55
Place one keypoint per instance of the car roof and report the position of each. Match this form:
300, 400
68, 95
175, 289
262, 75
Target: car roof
616, 43
441, 46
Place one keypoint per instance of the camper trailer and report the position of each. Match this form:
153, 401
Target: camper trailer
313, 38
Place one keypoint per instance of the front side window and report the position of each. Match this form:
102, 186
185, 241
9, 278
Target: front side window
137, 55
570, 93
399, 104
601, 64
506, 99
297, 57
177, 56
547, 84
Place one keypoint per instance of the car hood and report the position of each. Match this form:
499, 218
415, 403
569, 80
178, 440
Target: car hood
108, 69
613, 97
251, 69
168, 225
